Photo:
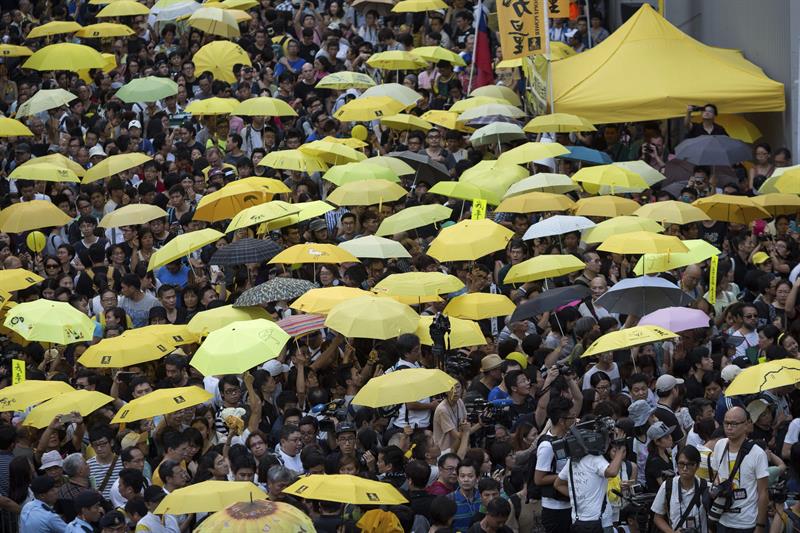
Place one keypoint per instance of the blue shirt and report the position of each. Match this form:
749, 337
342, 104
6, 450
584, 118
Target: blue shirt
79, 525
498, 394
40, 517
179, 279
465, 510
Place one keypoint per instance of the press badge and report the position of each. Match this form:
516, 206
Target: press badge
740, 494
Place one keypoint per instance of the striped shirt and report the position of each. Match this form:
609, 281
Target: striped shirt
98, 472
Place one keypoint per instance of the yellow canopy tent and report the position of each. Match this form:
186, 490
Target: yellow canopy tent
648, 69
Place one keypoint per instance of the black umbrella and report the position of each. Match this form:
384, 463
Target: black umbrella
426, 169
713, 150
549, 300
643, 295
274, 290
246, 251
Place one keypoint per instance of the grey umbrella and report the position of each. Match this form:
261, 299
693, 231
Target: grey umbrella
274, 290
246, 251
714, 150
643, 295
425, 168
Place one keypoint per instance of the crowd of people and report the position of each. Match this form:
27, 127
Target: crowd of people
487, 456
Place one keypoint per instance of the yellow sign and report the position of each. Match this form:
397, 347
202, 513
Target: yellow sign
478, 209
712, 281
17, 371
522, 27
558, 9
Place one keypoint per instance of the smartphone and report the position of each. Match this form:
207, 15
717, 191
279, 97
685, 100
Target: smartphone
67, 419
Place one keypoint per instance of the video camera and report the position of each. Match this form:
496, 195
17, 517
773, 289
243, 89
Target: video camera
587, 438
323, 412
489, 413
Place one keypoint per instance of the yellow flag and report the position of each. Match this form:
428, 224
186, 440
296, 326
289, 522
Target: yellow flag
712, 281
17, 371
522, 27
478, 209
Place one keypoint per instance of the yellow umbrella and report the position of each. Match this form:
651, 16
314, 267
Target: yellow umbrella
14, 279
332, 153
321, 301
610, 176
469, 240
446, 119
56, 27
257, 515
308, 210
219, 58
83, 402
498, 91
462, 333
402, 386
129, 349
44, 171
417, 6
406, 96
729, 208
30, 392
372, 317
764, 377
671, 212
403, 122
437, 53
181, 246
27, 216
115, 164
479, 306
264, 106
345, 80
373, 192
619, 225
413, 217
10, 127
411, 300
627, 338
239, 346
215, 21
293, 160
345, 488
535, 202
362, 171
778, 203
642, 242
465, 191
493, 170
239, 4
229, 201
13, 50
558, 123
161, 402
544, 266
503, 110
604, 206
699, 251
418, 284
398, 166
477, 101
532, 151
396, 60
62, 161
261, 213
209, 496
312, 252
736, 126
543, 182
123, 8
109, 64
42, 101
510, 63
271, 185
104, 29
205, 322
132, 215
368, 108
49, 321
783, 180
350, 142
212, 106
375, 247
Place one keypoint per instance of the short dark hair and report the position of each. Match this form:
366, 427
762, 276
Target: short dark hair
166, 468
133, 478
498, 507
287, 430
418, 472
442, 510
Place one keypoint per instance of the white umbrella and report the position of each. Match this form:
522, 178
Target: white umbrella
496, 133
543, 182
174, 11
557, 225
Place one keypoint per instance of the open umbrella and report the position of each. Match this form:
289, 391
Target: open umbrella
764, 377
543, 182
83, 402
618, 226
462, 333
274, 290
27, 216
308, 210
368, 108
396, 91
532, 151
209, 496
261, 213
219, 58
65, 56
642, 242
131, 348
182, 245
498, 91
373, 192
627, 338
557, 225
446, 119
418, 284
642, 295
549, 300
293, 160
346, 80
10, 127
496, 134
239, 346
362, 171
396, 60
123, 8
543, 267
558, 123
299, 325
212, 106
215, 21
172, 10
535, 202
604, 206
402, 386
322, 300
345, 488
147, 89
44, 171
210, 320
413, 217
103, 30
778, 203
714, 150
699, 251
230, 200
469, 240
246, 251
425, 168
43, 100
332, 153
312, 252
264, 106
114, 165
479, 306
499, 110
587, 155
610, 176
676, 319
437, 53
405, 122
730, 208
418, 6
161, 402
787, 182
672, 212
13, 50
372, 246
132, 215
14, 279
372, 317
30, 392
257, 515
55, 27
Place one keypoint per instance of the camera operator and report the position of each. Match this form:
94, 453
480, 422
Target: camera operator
556, 514
678, 505
589, 476
518, 386
740, 496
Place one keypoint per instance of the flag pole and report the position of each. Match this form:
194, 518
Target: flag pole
477, 22
547, 57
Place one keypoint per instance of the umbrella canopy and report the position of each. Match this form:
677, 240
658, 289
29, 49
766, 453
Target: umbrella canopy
542, 267
610, 176
714, 150
425, 168
83, 402
44, 171
372, 192
549, 300
114, 165
642, 295
61, 160
446, 119
558, 123
161, 402
650, 175
246, 251
397, 91
209, 496
258, 515
557, 225
44, 100
619, 225
587, 155
49, 321
215, 21
501, 110
372, 317
103, 30
730, 208
672, 212
469, 240
181, 246
699, 251
27, 216
396, 60
312, 252
274, 290
212, 106
479, 306
239, 346
642, 242
346, 80
418, 284
219, 58
230, 200
345, 488
333, 153
535, 202
437, 53
373, 246
404, 122
413, 217
402, 386
173, 10
123, 8
308, 210
299, 325
462, 333
778, 203
30, 392
293, 160
466, 191
787, 182
544, 182
417, 6
532, 151
205, 322
498, 91
264, 106
368, 108
132, 215
10, 127
362, 171
131, 348
604, 206
261, 213
65, 56
13, 50
676, 319
56, 27
764, 377
496, 134
627, 338
321, 301
147, 89
14, 279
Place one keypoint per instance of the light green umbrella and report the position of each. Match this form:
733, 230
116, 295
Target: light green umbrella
496, 133
148, 89
375, 247
414, 217
362, 171
44, 100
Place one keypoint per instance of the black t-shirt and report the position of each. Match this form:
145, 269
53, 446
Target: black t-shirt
420, 502
697, 130
666, 415
694, 389
715, 234
477, 386
476, 528
308, 51
654, 469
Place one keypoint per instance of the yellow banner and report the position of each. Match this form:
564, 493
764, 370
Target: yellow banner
712, 281
17, 371
478, 209
558, 9
522, 27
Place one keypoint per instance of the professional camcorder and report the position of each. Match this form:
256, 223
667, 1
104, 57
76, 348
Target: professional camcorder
587, 438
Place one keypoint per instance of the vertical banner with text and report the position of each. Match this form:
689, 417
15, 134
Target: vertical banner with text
17, 371
522, 27
712, 280
558, 9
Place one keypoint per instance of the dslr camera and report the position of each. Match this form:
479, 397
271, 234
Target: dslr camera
325, 411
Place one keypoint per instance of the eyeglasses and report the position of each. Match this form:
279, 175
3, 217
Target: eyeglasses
682, 465
750, 316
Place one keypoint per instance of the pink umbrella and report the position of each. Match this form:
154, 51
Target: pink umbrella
299, 325
676, 319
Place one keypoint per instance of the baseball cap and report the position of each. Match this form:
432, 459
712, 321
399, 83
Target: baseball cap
112, 519
345, 427
490, 362
730, 372
51, 459
87, 498
97, 150
759, 257
667, 383
134, 124
154, 494
275, 367
22, 147
317, 225
659, 430
757, 407
639, 412
42, 484
519, 358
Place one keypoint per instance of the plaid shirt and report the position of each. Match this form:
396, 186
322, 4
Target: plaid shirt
286, 5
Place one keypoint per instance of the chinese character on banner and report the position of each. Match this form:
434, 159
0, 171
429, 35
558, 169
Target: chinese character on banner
522, 27
17, 371
558, 9
478, 209
712, 281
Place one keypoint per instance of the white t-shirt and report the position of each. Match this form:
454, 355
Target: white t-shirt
696, 517
693, 439
750, 341
544, 462
613, 373
590, 482
753, 468
793, 433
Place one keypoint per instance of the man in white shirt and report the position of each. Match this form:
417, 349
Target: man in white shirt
749, 318
414, 414
556, 515
288, 449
